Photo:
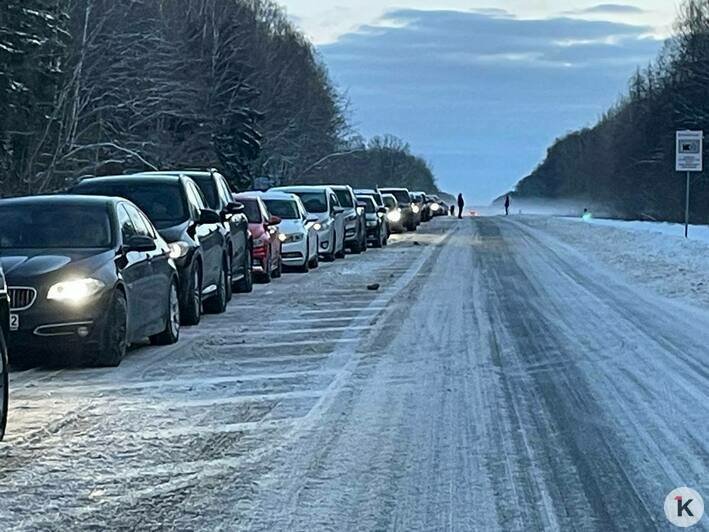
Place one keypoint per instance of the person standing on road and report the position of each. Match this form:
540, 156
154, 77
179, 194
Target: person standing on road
461, 204
507, 206
452, 210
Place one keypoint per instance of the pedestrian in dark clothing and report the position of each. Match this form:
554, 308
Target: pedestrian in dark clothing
461, 204
452, 210
507, 206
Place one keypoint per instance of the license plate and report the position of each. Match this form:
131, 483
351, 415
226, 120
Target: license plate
14, 322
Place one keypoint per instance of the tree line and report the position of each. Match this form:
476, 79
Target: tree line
626, 162
98, 87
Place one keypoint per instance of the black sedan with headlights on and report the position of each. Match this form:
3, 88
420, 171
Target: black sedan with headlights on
4, 332
86, 276
194, 232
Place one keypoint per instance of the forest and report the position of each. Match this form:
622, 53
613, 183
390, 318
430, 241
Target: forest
100, 87
625, 164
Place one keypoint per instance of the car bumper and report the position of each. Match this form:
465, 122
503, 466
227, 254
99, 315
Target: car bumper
53, 326
294, 253
326, 242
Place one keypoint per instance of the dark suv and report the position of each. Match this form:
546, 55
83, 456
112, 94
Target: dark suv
194, 232
4, 331
218, 196
403, 197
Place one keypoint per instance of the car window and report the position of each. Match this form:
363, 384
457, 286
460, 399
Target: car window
284, 209
389, 201
195, 197
315, 202
224, 191
252, 210
344, 197
125, 223
138, 223
207, 187
369, 205
151, 228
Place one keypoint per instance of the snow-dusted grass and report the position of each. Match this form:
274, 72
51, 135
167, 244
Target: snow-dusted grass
653, 255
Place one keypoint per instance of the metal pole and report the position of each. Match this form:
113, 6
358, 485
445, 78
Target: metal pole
686, 208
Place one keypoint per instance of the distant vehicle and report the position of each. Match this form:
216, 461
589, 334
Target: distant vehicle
195, 235
91, 284
394, 218
417, 200
437, 207
426, 213
371, 192
266, 253
218, 197
377, 232
297, 227
355, 221
322, 202
409, 210
4, 332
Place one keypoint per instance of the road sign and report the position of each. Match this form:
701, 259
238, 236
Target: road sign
689, 151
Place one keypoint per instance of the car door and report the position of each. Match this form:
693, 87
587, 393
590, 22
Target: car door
339, 222
209, 237
156, 289
238, 227
136, 272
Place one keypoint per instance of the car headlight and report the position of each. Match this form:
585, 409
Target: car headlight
75, 291
294, 237
282, 237
415, 208
435, 207
178, 250
394, 216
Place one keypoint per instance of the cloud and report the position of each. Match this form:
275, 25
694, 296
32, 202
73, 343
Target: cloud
609, 9
486, 84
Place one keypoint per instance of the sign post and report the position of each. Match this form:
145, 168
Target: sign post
689, 159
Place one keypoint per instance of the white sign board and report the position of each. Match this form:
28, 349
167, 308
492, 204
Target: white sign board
689, 151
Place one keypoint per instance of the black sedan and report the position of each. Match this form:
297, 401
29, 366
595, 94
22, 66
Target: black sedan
4, 331
218, 197
195, 233
377, 233
86, 275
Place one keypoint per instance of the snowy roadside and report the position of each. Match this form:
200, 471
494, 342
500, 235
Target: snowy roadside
647, 254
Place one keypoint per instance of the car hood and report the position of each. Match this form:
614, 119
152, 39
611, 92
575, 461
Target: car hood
28, 264
321, 216
173, 233
291, 226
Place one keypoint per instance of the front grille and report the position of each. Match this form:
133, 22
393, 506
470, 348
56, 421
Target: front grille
21, 298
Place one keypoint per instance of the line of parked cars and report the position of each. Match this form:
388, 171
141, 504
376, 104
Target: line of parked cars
116, 260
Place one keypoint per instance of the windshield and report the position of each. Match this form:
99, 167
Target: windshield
251, 210
161, 201
284, 209
38, 226
369, 205
345, 198
401, 195
313, 201
209, 188
389, 201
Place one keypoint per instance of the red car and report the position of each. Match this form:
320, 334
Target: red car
266, 253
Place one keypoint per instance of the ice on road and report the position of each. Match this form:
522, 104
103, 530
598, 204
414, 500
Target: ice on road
499, 379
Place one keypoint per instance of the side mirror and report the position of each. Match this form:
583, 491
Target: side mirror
382, 210
312, 219
208, 216
274, 220
338, 210
234, 208
140, 243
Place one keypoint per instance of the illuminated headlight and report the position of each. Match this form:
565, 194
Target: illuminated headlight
435, 207
178, 250
75, 291
415, 208
282, 237
394, 216
360, 210
317, 226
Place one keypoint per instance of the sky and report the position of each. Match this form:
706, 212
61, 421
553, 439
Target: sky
481, 91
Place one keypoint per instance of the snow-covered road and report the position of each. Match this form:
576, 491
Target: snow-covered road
498, 379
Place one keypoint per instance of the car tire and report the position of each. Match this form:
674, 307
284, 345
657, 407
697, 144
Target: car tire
4, 385
356, 247
379, 241
278, 272
330, 257
267, 276
171, 334
315, 260
216, 304
342, 253
113, 340
192, 311
230, 278
245, 285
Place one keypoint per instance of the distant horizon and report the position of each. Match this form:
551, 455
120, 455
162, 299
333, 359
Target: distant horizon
482, 93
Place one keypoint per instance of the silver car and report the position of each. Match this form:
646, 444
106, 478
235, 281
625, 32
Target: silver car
322, 202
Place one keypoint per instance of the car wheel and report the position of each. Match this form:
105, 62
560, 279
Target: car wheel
356, 246
267, 276
330, 257
192, 312
4, 385
340, 254
246, 283
364, 239
217, 303
171, 334
113, 340
230, 278
279, 269
315, 259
